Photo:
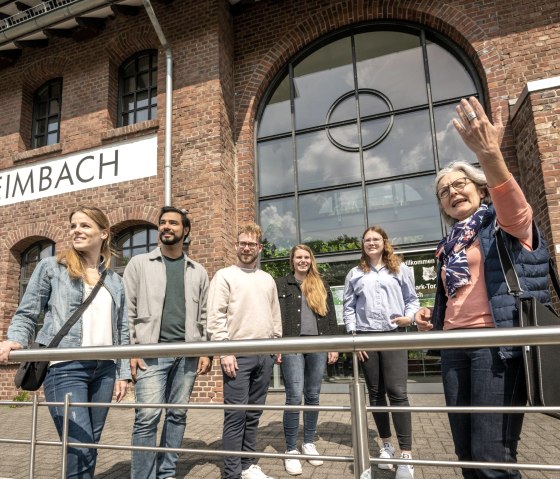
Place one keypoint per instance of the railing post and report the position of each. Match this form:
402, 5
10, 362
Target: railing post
33, 436
65, 435
359, 422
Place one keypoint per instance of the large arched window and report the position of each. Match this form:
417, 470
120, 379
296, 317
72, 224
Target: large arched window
133, 241
46, 114
352, 134
138, 88
29, 260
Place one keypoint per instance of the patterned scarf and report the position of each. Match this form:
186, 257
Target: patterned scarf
452, 250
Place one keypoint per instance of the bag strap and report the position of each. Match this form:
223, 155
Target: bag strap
512, 280
554, 277
78, 313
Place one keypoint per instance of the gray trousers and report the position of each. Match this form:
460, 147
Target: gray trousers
250, 386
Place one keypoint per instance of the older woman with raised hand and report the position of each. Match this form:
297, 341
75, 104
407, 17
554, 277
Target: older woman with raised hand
57, 288
472, 294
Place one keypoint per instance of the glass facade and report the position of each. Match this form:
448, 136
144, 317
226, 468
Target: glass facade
352, 134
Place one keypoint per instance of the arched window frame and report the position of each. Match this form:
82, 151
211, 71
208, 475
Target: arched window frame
47, 104
141, 239
29, 260
138, 88
426, 35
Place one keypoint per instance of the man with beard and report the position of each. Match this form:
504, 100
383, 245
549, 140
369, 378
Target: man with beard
166, 295
243, 304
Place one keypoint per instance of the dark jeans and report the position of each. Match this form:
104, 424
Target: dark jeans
303, 375
87, 381
386, 374
479, 377
250, 386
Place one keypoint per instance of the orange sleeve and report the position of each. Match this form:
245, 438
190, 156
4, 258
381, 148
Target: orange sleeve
514, 214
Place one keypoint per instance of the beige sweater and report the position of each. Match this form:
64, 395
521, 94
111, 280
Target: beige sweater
243, 304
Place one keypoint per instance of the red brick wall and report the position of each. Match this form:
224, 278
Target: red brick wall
536, 129
223, 65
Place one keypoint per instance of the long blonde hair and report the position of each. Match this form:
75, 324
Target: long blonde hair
74, 260
391, 260
312, 286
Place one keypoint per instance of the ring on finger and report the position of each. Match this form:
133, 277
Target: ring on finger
471, 115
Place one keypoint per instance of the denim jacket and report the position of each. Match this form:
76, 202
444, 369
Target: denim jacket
52, 291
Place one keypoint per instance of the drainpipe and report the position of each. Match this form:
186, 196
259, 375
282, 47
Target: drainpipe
168, 101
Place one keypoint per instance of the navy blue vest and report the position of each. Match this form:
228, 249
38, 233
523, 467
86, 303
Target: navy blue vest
531, 268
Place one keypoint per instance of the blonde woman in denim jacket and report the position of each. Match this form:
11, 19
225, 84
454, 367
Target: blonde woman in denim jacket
57, 288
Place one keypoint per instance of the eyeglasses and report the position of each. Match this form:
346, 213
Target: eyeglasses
247, 244
458, 185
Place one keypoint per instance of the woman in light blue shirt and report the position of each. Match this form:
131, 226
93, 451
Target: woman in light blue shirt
380, 296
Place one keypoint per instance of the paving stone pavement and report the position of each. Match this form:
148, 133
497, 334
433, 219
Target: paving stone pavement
540, 443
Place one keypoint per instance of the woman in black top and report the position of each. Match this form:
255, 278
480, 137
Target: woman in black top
307, 308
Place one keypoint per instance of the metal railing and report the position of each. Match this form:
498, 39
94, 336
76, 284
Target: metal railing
357, 408
40, 9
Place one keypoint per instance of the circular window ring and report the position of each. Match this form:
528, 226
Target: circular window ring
361, 91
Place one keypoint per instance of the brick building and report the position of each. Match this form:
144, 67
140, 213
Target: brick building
314, 117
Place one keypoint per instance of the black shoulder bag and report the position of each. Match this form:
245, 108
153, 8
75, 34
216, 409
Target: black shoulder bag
31, 374
541, 362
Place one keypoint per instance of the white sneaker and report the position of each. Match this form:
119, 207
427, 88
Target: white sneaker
293, 466
405, 471
386, 452
366, 474
310, 449
254, 472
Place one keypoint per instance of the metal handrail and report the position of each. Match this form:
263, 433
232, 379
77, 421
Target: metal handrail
358, 409
385, 342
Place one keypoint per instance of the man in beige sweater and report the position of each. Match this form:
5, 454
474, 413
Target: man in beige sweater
243, 304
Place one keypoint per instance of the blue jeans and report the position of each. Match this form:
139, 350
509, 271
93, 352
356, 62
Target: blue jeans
87, 381
479, 377
303, 374
165, 380
250, 386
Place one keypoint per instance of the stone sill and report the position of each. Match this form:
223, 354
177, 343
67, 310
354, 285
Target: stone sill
43, 150
129, 130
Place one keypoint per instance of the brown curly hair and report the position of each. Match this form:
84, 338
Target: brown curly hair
391, 260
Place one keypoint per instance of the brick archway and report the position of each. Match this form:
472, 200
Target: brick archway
443, 18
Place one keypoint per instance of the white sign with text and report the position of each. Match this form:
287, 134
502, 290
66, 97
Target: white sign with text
124, 161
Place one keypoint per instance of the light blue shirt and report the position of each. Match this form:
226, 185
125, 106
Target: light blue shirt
372, 299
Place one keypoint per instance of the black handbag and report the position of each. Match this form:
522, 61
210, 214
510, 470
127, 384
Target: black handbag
540, 362
31, 374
